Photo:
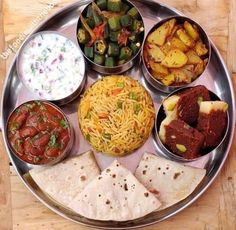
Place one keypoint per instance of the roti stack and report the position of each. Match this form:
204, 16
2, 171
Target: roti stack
115, 195
171, 182
63, 181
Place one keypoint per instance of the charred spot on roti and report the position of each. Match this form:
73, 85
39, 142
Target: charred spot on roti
164, 173
167, 168
83, 178
114, 184
159, 168
108, 170
146, 166
85, 195
144, 172
117, 165
114, 175
150, 180
176, 175
146, 194
99, 178
75, 163
108, 201
125, 198
126, 187
125, 179
82, 167
154, 191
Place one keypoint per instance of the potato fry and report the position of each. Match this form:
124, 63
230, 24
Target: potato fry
200, 48
193, 58
199, 68
188, 70
159, 36
191, 31
181, 76
185, 38
155, 53
175, 59
177, 43
159, 69
168, 80
166, 48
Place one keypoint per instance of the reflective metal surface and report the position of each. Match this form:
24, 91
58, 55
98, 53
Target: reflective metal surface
116, 69
216, 78
152, 80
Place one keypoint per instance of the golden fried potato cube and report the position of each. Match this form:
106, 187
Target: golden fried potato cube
159, 36
181, 76
191, 31
158, 69
185, 38
200, 48
175, 59
199, 68
193, 58
168, 80
155, 53
177, 43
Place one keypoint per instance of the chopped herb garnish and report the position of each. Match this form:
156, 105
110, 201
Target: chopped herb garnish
58, 145
87, 137
63, 49
17, 111
30, 106
107, 136
33, 69
120, 84
52, 140
137, 108
133, 96
64, 124
119, 104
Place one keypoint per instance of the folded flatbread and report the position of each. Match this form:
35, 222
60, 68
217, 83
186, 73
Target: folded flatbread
63, 181
171, 182
115, 195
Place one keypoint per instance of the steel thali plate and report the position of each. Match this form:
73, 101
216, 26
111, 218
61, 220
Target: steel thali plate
216, 78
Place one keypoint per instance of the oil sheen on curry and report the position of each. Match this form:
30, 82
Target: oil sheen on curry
38, 132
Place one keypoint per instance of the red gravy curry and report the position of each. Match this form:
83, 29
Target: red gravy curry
37, 132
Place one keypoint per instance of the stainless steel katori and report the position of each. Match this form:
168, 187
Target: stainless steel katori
216, 78
116, 69
20, 70
179, 20
160, 116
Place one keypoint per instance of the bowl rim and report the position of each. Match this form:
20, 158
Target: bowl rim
161, 86
129, 62
65, 151
69, 97
169, 153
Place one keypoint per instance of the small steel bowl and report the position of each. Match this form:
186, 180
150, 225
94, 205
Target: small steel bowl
81, 61
160, 116
66, 151
152, 80
116, 69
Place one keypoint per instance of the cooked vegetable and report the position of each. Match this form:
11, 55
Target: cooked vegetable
133, 12
114, 35
125, 53
99, 59
175, 59
173, 53
200, 48
88, 51
159, 69
90, 22
124, 7
100, 46
83, 36
102, 4
177, 43
113, 49
97, 18
155, 53
193, 58
125, 20
191, 31
137, 26
112, 28
114, 5
185, 38
135, 47
114, 23
159, 36
110, 62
